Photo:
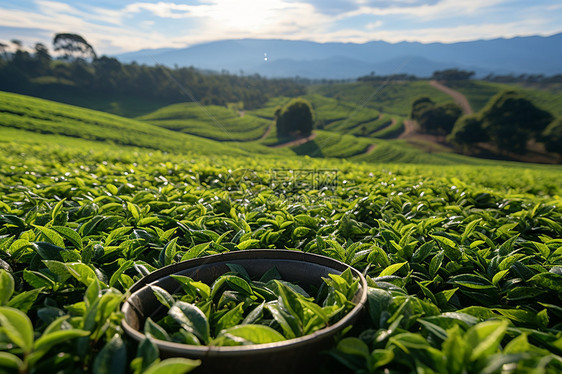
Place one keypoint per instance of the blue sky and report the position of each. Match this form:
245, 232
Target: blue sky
119, 26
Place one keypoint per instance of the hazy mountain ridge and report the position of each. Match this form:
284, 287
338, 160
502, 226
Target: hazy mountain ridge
286, 58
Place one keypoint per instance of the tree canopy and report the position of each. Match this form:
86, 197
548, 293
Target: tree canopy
435, 119
552, 136
468, 131
295, 119
510, 120
79, 77
452, 75
73, 46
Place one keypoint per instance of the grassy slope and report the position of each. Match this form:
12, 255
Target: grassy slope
119, 104
213, 122
393, 98
341, 117
479, 93
47, 117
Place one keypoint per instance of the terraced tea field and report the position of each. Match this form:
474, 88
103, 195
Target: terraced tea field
463, 262
460, 256
211, 122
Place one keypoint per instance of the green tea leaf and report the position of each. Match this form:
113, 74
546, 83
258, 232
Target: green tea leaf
354, 346
112, 358
550, 281
126, 265
192, 319
69, 234
231, 318
499, 276
46, 341
163, 296
389, 270
471, 281
51, 236
485, 338
152, 329
6, 287
255, 315
250, 243
17, 327
83, 273
256, 334
435, 263
237, 284
173, 366
24, 301
9, 360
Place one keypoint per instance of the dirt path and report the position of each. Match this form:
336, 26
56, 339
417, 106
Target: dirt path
459, 98
267, 131
409, 129
370, 148
295, 142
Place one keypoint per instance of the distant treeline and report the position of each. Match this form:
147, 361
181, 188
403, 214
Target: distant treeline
30, 72
524, 78
460, 75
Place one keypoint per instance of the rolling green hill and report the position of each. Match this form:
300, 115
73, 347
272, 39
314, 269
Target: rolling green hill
48, 117
394, 98
458, 258
213, 122
479, 93
343, 117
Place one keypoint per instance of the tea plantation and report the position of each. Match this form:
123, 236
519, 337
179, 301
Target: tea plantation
464, 262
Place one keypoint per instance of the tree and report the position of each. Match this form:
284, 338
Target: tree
439, 120
452, 75
510, 120
468, 131
73, 47
552, 137
3, 51
41, 60
435, 119
420, 105
295, 119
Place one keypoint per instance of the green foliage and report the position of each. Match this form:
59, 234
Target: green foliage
296, 118
235, 310
74, 46
75, 80
552, 136
394, 98
510, 120
45, 117
435, 119
210, 121
464, 262
452, 75
468, 130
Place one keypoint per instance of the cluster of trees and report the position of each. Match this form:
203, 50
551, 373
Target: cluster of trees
452, 75
295, 119
383, 78
440, 75
524, 78
508, 122
435, 119
79, 67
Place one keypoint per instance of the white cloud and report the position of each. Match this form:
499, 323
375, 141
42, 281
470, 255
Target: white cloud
161, 9
140, 25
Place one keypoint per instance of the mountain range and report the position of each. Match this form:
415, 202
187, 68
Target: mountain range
290, 58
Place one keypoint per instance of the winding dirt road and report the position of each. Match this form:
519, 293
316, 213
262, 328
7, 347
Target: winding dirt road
459, 98
295, 142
